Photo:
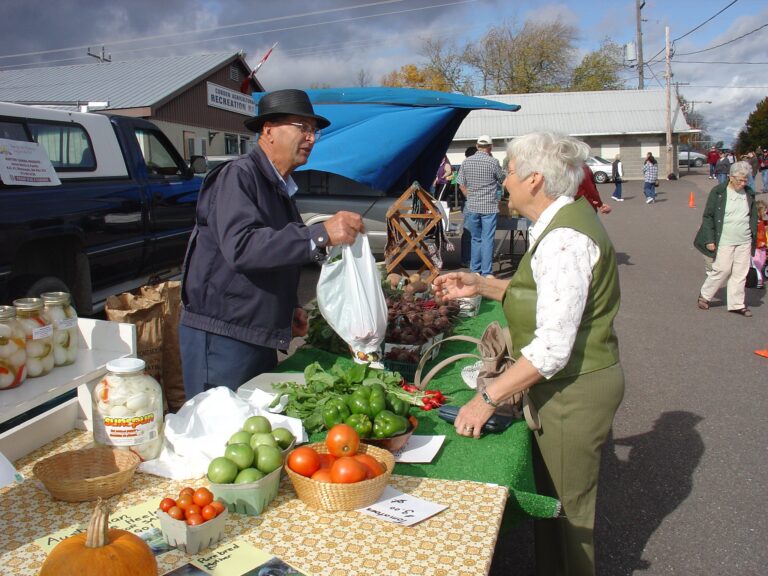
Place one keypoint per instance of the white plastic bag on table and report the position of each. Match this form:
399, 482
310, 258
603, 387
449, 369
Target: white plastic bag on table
350, 298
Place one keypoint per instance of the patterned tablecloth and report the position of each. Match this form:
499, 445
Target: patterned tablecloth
458, 541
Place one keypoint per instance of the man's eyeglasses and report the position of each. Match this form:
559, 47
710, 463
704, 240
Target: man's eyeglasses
307, 129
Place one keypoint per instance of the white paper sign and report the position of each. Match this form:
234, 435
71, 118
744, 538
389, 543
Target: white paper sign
26, 164
8, 474
419, 449
400, 508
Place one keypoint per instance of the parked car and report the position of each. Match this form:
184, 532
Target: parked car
601, 169
689, 158
213, 161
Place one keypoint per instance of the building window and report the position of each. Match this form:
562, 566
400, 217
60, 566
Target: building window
234, 73
231, 144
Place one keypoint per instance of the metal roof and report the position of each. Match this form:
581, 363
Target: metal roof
609, 112
127, 84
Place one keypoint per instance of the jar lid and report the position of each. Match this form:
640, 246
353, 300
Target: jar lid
55, 297
28, 304
7, 312
126, 365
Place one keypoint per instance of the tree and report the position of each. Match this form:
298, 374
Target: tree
363, 78
599, 70
445, 61
755, 131
411, 76
701, 140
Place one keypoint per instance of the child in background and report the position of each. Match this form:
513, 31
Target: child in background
758, 260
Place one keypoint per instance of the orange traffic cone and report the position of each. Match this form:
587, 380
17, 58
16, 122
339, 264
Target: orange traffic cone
763, 352
691, 201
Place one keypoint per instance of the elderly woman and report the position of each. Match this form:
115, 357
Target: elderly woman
728, 233
560, 306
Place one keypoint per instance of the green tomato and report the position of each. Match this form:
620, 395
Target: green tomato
249, 475
241, 437
257, 424
269, 459
222, 470
283, 436
241, 454
261, 438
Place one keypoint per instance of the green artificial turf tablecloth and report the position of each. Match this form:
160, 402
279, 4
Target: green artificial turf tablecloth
503, 459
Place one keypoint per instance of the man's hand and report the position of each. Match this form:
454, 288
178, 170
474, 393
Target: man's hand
300, 322
343, 228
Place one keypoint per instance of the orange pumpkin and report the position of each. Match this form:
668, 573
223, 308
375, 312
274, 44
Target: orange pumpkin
101, 550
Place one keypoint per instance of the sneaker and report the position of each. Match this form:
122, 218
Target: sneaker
491, 276
617, 199
649, 200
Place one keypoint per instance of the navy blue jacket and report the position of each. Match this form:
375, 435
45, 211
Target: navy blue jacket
241, 270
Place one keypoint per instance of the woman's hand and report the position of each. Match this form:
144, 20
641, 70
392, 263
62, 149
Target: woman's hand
457, 285
711, 246
300, 323
471, 417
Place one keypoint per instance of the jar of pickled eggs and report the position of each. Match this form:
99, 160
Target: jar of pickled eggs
63, 317
128, 409
13, 350
38, 333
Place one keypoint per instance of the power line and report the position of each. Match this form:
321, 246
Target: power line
724, 43
718, 62
727, 87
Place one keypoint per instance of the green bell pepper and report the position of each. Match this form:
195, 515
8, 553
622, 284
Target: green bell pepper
359, 404
397, 405
361, 423
335, 412
376, 403
387, 424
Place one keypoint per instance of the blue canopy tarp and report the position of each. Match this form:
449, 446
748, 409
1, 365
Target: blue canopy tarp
387, 138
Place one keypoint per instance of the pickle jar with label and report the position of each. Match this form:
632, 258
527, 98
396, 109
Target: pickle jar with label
63, 317
128, 409
13, 350
38, 333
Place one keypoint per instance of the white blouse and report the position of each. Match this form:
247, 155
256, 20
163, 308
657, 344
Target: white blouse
562, 269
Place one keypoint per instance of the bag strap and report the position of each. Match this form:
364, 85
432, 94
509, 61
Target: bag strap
443, 363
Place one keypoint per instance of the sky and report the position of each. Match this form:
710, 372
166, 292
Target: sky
333, 42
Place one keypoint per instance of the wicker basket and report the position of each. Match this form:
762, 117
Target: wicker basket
328, 496
88, 474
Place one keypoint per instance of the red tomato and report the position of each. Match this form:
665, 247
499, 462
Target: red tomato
202, 497
187, 490
374, 467
195, 519
209, 512
184, 501
167, 503
322, 475
347, 470
304, 460
176, 513
192, 510
327, 460
218, 506
342, 440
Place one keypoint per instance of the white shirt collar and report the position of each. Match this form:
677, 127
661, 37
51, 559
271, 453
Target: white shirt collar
289, 186
546, 217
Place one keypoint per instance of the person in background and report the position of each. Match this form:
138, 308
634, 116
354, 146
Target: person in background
560, 307
762, 155
650, 177
754, 163
241, 270
588, 191
479, 178
443, 178
758, 260
728, 233
466, 235
722, 168
712, 157
617, 173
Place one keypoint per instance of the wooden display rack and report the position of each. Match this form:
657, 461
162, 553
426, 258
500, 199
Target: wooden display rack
408, 230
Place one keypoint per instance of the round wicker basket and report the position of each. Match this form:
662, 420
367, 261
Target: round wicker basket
87, 474
329, 496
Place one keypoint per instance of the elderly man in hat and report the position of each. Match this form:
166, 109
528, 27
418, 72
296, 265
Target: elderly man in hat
241, 271
480, 178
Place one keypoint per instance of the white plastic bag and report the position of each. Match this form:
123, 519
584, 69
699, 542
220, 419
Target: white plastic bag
350, 298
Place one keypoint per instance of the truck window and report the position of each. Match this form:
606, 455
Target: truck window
67, 145
13, 131
159, 160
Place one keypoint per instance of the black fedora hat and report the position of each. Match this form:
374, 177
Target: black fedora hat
283, 103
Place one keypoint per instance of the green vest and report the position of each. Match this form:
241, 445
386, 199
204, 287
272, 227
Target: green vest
596, 346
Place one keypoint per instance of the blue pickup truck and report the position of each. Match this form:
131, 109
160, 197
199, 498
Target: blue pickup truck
121, 215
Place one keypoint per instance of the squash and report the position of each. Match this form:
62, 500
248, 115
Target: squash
101, 551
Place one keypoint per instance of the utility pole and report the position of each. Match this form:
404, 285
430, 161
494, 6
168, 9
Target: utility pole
640, 72
103, 57
668, 76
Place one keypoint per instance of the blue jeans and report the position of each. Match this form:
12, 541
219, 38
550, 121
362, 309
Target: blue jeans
483, 230
209, 360
751, 181
712, 170
649, 190
764, 174
722, 178
617, 189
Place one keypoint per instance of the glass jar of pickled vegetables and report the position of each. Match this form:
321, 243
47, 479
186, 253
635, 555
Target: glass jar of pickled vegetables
63, 317
13, 350
128, 409
38, 333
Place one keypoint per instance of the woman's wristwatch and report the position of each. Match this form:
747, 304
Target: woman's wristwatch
487, 399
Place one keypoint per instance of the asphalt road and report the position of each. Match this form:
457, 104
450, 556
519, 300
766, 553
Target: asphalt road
683, 478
